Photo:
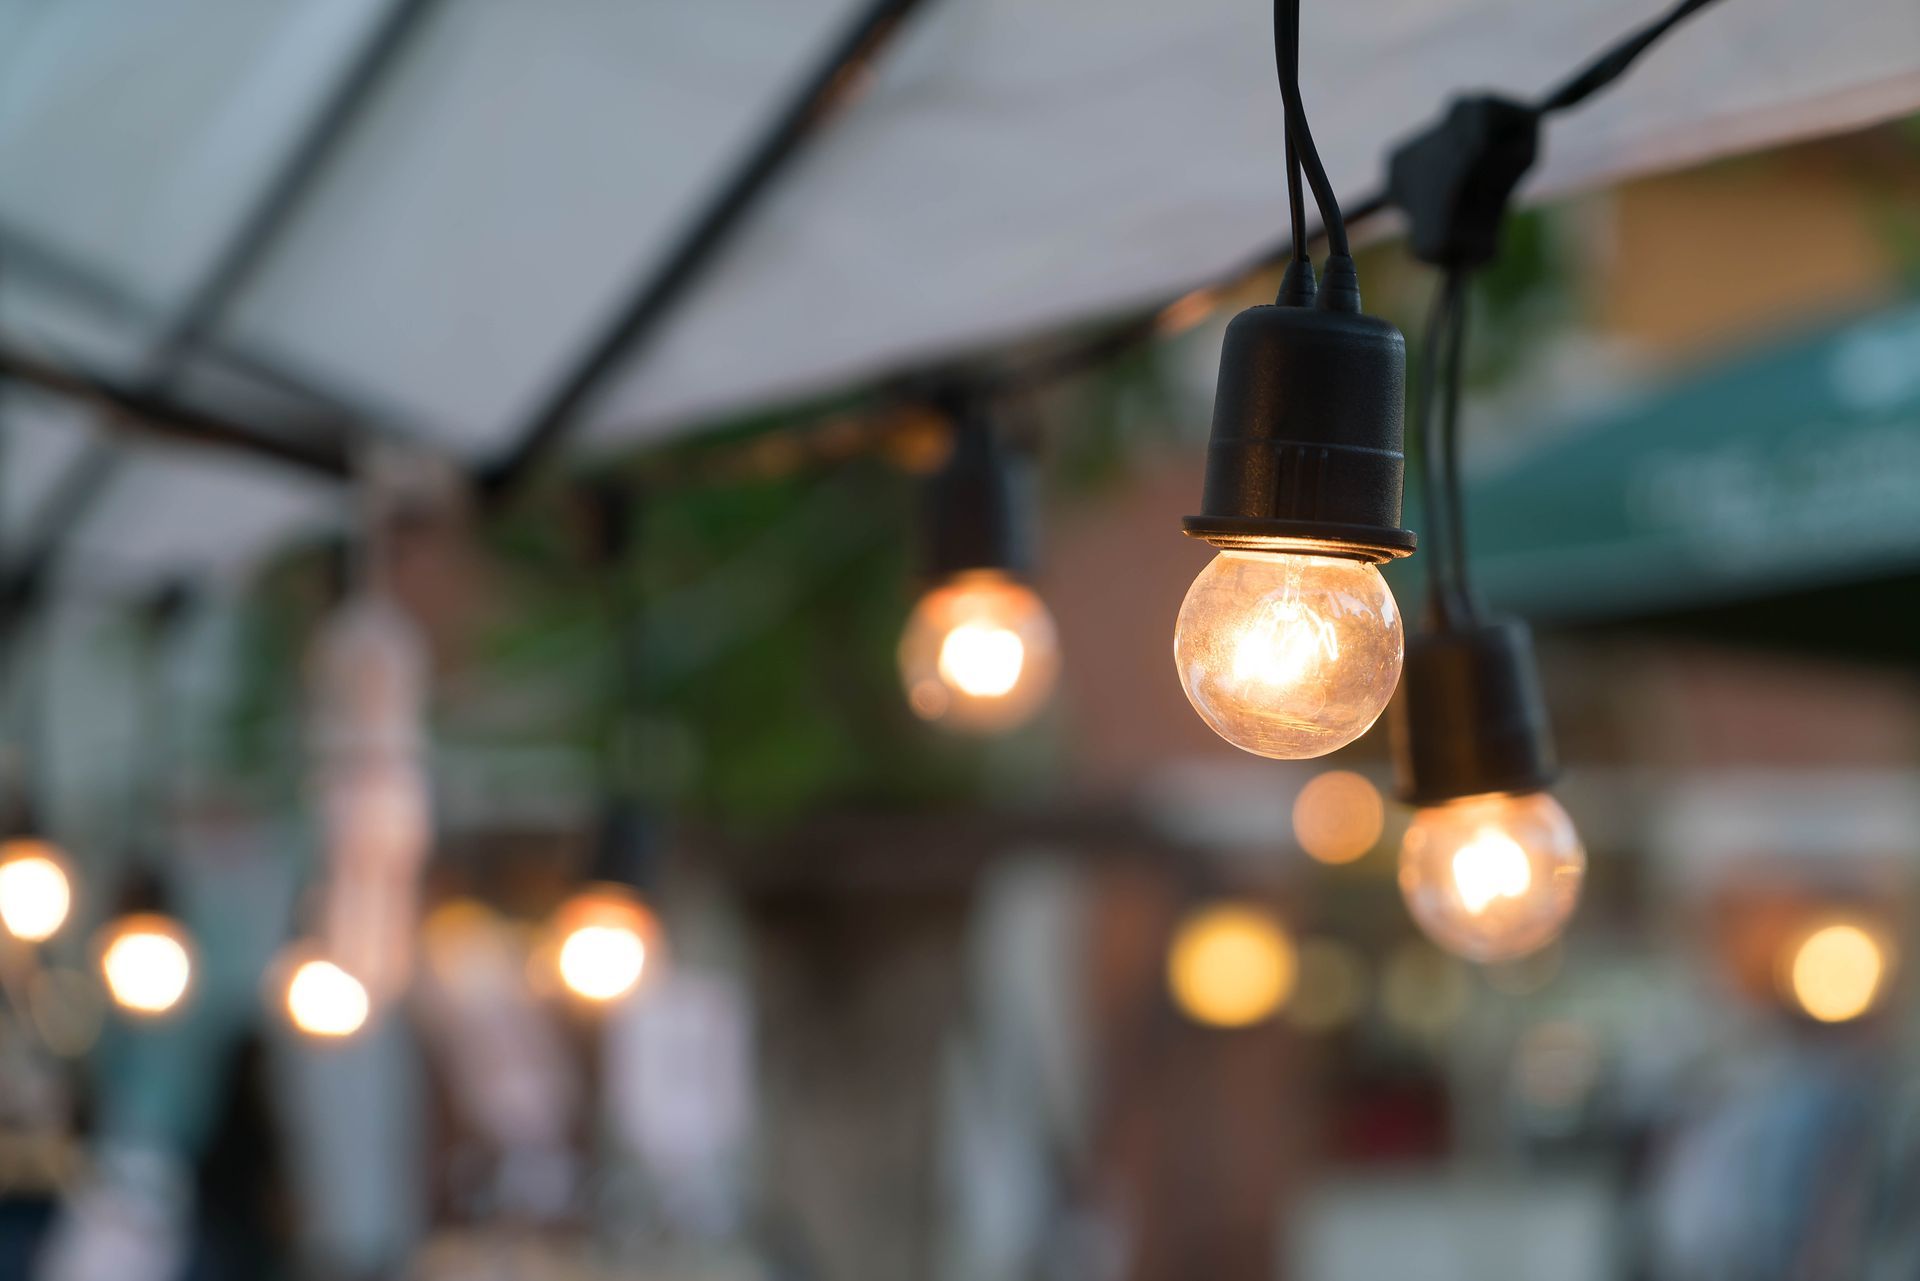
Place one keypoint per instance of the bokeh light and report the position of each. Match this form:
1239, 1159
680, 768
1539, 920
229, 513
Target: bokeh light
1231, 965
606, 941
1837, 973
35, 893
1338, 816
147, 963
324, 1000
979, 653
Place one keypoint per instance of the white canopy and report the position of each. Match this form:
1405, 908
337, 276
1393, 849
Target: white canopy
1014, 165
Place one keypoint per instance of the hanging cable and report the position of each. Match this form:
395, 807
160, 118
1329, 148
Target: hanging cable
1446, 607
1455, 294
1286, 59
1302, 137
1613, 64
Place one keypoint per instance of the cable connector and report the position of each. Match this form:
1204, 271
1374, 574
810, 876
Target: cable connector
1298, 286
1340, 286
1455, 181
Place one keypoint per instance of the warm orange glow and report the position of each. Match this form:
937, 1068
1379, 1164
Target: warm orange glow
146, 963
35, 894
1492, 877
324, 1000
606, 943
1231, 965
1338, 817
1837, 973
979, 653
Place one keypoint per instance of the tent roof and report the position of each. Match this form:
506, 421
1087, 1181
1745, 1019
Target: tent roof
1014, 165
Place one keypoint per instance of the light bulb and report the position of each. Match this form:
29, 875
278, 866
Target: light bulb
146, 962
1492, 877
35, 893
1288, 655
606, 939
1231, 965
324, 1000
979, 653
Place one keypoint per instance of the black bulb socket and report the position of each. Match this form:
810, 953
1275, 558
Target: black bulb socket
1307, 452
1469, 718
978, 506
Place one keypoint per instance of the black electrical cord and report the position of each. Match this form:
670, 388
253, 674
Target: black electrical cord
1613, 64
1286, 60
1302, 136
1446, 607
1455, 294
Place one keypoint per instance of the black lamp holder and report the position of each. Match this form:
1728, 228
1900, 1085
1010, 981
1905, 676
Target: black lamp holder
1307, 451
1468, 718
978, 505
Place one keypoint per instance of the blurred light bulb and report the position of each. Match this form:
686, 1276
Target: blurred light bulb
606, 940
979, 653
1231, 965
1492, 877
35, 893
146, 962
325, 1000
1288, 655
1836, 973
1338, 816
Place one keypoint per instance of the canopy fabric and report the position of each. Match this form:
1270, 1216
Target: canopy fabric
1793, 466
1014, 166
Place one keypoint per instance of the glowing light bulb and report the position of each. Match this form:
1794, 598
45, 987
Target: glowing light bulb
1492, 877
324, 1000
979, 653
147, 963
1837, 973
35, 894
1288, 655
1231, 965
606, 940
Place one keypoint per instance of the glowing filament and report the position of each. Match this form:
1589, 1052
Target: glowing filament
602, 962
982, 660
1283, 644
1490, 866
34, 897
147, 966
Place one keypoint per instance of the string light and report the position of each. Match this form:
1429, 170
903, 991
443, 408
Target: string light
979, 653
147, 963
35, 891
605, 943
323, 1000
1230, 965
1289, 642
1492, 878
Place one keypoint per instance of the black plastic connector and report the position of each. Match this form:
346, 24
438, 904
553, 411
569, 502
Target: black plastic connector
1454, 181
1468, 718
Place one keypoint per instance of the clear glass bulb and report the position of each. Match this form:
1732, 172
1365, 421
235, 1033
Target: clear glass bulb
979, 653
1288, 655
1493, 877
146, 962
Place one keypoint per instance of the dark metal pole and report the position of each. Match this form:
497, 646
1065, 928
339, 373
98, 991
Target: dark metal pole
830, 86
325, 454
92, 475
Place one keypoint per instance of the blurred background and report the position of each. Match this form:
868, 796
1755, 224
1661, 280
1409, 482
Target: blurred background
491, 796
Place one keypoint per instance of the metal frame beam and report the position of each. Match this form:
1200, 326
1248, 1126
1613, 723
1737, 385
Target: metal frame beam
92, 475
833, 82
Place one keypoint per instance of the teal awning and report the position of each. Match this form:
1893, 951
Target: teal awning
1791, 468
